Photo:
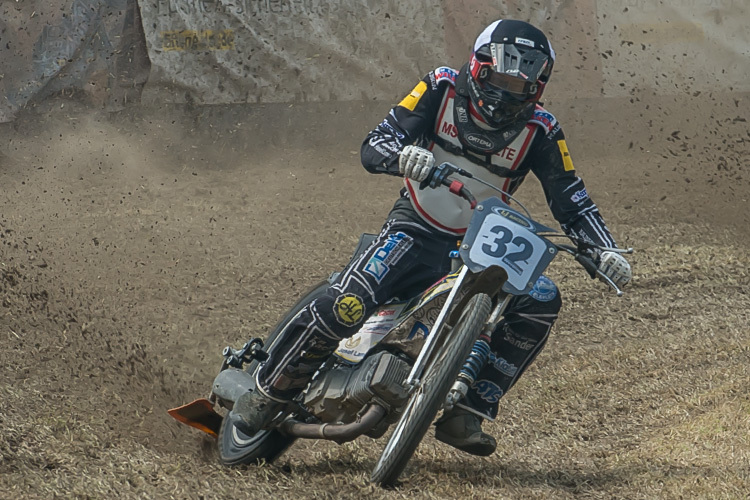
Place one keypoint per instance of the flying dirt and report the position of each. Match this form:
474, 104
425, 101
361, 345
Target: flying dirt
136, 246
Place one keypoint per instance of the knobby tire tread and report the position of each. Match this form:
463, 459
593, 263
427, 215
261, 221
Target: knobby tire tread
437, 380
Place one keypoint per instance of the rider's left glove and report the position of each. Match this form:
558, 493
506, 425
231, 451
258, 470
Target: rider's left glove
615, 267
415, 162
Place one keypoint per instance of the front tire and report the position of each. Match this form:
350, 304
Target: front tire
237, 448
427, 399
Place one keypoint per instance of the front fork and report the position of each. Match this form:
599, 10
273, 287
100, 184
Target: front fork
478, 357
480, 352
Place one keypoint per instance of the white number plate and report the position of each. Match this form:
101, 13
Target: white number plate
503, 242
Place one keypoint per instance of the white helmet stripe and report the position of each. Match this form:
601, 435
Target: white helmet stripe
485, 36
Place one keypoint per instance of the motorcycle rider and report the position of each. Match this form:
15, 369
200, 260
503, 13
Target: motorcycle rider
487, 119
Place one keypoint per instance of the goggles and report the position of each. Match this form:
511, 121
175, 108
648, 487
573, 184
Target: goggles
517, 87
518, 72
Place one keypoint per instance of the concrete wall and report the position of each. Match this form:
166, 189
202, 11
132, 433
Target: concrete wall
292, 51
93, 48
321, 50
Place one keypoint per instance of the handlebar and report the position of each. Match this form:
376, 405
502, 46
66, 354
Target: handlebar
440, 177
584, 258
582, 252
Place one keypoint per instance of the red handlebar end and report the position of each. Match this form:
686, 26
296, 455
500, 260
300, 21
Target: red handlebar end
456, 187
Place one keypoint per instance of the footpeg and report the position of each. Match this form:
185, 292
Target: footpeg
251, 351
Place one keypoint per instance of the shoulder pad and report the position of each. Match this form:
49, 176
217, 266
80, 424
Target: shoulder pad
445, 74
544, 118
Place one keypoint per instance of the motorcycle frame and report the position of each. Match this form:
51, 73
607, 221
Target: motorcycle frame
501, 304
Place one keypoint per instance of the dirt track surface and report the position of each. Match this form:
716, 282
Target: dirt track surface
134, 248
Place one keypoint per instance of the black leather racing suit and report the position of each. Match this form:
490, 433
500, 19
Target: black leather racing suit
412, 249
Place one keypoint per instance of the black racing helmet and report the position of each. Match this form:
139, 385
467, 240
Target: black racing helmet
509, 68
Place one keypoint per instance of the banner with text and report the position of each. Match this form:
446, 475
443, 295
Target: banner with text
272, 51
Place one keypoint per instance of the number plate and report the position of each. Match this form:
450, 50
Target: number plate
498, 235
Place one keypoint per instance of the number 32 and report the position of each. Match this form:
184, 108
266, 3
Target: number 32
505, 236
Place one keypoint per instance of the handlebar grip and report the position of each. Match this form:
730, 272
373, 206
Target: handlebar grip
588, 264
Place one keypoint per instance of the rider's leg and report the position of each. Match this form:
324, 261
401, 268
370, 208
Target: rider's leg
516, 342
405, 257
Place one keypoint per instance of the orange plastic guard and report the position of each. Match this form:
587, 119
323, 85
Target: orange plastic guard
199, 414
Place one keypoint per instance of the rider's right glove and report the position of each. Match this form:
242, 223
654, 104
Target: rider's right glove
615, 267
415, 162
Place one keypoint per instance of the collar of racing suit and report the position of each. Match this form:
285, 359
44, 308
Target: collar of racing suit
468, 128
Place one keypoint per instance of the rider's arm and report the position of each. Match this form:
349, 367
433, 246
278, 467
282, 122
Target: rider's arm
566, 194
404, 124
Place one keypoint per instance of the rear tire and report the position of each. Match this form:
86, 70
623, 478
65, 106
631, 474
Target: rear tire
237, 448
426, 401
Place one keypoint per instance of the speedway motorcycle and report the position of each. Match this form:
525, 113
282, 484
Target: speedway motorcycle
410, 359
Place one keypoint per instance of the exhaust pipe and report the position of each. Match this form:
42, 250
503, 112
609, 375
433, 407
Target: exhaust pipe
339, 433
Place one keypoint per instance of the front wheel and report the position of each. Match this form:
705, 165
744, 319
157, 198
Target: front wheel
427, 399
237, 448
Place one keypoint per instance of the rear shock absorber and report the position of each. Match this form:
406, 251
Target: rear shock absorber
478, 357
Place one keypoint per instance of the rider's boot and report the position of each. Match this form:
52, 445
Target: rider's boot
253, 410
462, 429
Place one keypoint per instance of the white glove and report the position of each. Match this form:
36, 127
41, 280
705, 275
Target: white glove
615, 267
415, 162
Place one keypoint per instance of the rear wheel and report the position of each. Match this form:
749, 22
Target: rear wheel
237, 448
426, 401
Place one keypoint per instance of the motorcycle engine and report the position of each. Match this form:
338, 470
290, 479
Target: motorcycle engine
339, 394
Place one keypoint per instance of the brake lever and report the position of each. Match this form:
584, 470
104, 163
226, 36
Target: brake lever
589, 265
608, 281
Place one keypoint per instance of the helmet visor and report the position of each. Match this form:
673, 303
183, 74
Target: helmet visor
517, 87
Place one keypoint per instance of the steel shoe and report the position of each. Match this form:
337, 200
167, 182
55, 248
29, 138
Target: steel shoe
463, 430
253, 410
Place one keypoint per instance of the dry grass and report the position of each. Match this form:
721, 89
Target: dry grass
640, 397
